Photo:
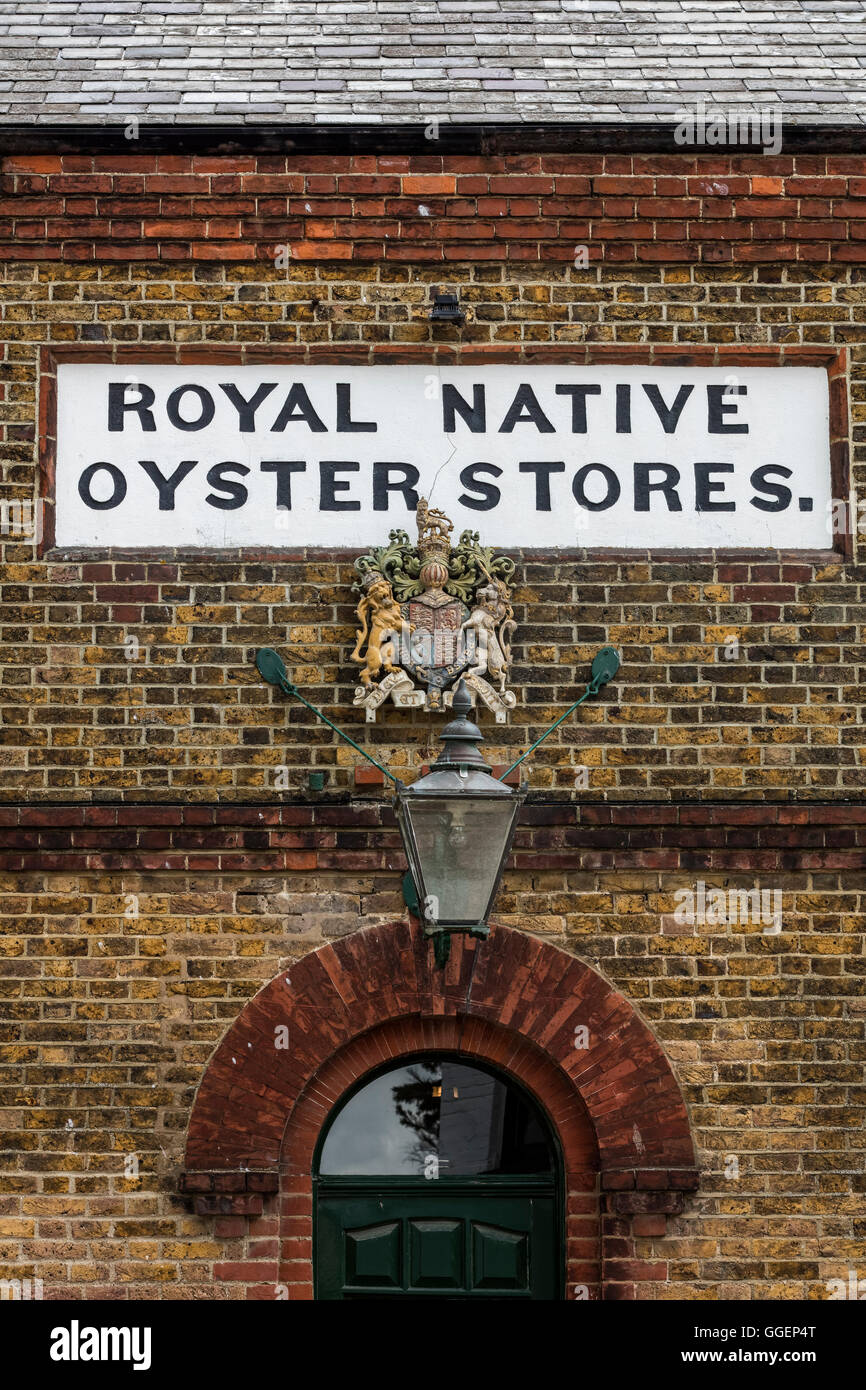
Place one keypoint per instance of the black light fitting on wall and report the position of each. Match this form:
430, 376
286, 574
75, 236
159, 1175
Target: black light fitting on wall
446, 309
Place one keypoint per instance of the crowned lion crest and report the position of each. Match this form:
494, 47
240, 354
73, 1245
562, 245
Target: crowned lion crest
431, 613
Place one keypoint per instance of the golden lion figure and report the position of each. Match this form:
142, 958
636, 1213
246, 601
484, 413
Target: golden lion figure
381, 622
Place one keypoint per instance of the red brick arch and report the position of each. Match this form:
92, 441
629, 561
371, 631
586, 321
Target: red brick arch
513, 1001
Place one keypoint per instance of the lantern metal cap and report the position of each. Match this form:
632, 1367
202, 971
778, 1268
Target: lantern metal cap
460, 767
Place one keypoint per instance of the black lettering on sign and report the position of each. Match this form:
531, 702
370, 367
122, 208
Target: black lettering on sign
298, 406
453, 404
345, 423
717, 409
246, 409
705, 486
382, 485
284, 468
669, 415
86, 479
781, 493
667, 486
525, 410
330, 485
237, 492
205, 399
542, 473
623, 410
118, 405
490, 494
167, 486
579, 489
578, 404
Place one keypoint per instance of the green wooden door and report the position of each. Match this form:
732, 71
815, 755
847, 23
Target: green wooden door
450, 1240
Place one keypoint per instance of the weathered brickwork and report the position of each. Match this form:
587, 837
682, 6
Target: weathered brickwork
81, 718
118, 987
433, 208
188, 717
162, 856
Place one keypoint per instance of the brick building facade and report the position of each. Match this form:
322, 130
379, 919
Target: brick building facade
157, 888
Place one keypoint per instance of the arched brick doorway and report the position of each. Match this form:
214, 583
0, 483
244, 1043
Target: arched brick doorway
513, 1001
481, 1041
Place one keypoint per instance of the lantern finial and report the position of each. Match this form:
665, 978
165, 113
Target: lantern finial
461, 737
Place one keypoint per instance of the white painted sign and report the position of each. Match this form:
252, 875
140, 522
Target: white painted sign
535, 456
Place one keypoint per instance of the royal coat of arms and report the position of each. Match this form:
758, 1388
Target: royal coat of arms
430, 613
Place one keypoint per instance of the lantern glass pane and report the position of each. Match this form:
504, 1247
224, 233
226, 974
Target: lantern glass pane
460, 843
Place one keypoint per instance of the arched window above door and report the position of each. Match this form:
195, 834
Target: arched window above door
439, 1117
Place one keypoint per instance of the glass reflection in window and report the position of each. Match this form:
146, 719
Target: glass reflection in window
434, 1117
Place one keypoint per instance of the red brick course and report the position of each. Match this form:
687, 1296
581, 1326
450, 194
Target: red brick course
719, 207
363, 836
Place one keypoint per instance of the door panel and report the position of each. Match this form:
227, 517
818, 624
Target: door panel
436, 1254
373, 1256
500, 1259
441, 1243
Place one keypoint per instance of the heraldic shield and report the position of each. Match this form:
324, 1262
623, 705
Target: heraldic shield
439, 649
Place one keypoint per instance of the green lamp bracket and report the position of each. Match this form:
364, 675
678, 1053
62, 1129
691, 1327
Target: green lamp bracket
272, 668
605, 665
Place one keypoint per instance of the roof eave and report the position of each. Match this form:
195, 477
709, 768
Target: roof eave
409, 138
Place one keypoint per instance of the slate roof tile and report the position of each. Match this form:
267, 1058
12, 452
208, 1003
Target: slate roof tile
367, 61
